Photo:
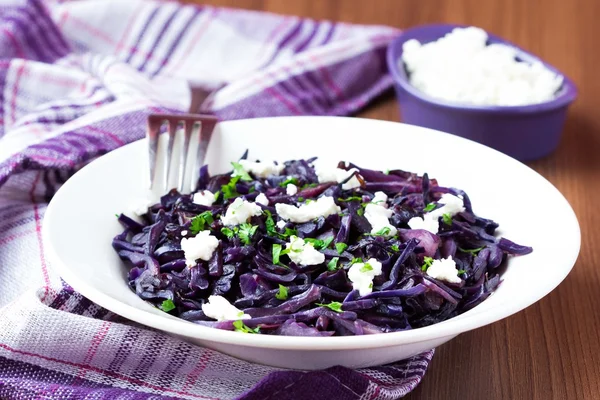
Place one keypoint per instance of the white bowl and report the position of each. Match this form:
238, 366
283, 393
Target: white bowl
80, 224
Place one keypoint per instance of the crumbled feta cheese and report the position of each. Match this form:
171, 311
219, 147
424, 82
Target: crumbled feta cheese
303, 253
377, 213
184, 232
451, 205
202, 246
328, 174
427, 223
281, 224
361, 275
291, 189
261, 169
322, 207
220, 309
262, 199
239, 212
204, 198
444, 270
462, 67
141, 206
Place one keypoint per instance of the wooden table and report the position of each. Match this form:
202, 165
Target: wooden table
551, 350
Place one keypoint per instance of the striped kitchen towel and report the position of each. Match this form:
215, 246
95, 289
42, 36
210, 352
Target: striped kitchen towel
77, 80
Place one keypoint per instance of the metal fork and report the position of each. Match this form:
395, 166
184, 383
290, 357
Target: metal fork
187, 125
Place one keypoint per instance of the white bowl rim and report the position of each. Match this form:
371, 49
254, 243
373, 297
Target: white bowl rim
448, 328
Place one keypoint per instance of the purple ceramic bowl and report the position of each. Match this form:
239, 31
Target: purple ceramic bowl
523, 132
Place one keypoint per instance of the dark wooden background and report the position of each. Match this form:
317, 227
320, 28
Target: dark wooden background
552, 349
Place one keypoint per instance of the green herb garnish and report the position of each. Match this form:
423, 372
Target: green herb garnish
356, 260
228, 232
382, 232
360, 212
429, 207
282, 294
270, 224
238, 170
461, 271
246, 231
239, 326
277, 252
334, 305
332, 265
229, 191
217, 195
427, 261
167, 305
309, 185
201, 221
395, 248
319, 244
341, 247
447, 218
300, 199
291, 180
352, 198
117, 215
472, 251
366, 268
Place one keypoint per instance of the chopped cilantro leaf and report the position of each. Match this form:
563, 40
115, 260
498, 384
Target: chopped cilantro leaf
366, 268
289, 180
332, 265
352, 198
360, 212
277, 252
461, 271
395, 247
117, 215
319, 244
239, 326
229, 191
270, 224
217, 194
288, 232
334, 305
227, 232
246, 232
238, 170
356, 260
383, 231
201, 221
472, 251
340, 247
371, 285
309, 185
300, 199
447, 218
282, 294
167, 305
429, 207
427, 261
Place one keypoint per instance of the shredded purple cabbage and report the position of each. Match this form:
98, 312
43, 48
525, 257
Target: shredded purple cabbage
314, 300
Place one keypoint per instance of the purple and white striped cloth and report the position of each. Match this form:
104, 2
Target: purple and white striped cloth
77, 80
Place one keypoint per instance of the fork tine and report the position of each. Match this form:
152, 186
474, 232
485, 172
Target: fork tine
207, 126
172, 131
187, 132
152, 132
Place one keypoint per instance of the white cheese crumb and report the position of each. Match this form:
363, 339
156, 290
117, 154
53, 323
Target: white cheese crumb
451, 204
444, 270
281, 224
141, 206
239, 212
328, 174
184, 232
361, 275
291, 189
303, 253
427, 223
461, 67
377, 213
220, 309
322, 207
204, 198
262, 199
202, 246
261, 169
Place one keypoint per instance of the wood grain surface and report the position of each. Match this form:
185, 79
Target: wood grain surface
552, 349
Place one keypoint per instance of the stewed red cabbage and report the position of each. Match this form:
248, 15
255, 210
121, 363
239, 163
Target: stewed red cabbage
296, 249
